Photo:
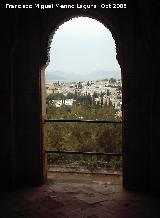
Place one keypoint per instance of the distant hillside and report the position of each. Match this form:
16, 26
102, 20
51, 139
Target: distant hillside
61, 76
95, 75
102, 74
56, 75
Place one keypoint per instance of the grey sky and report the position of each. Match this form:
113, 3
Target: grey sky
82, 45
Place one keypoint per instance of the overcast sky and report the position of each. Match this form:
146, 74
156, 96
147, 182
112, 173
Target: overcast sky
82, 45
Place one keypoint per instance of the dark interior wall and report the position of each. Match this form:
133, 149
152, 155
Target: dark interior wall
141, 116
26, 34
153, 36
6, 96
21, 147
27, 98
137, 100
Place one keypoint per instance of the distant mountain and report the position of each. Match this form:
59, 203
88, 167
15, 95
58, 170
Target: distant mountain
57, 75
60, 76
102, 74
95, 75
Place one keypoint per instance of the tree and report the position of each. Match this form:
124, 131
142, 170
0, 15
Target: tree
112, 80
80, 85
88, 84
83, 137
108, 92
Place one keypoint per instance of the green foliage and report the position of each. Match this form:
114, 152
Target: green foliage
115, 163
113, 80
92, 163
84, 136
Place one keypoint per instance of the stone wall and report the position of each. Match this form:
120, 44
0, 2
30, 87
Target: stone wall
25, 43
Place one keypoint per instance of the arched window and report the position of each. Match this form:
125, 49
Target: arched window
83, 86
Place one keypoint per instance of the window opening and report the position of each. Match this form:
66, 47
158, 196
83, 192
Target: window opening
83, 99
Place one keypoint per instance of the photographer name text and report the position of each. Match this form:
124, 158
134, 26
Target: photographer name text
65, 6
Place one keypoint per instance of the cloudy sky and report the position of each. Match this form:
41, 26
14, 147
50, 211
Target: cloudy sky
82, 45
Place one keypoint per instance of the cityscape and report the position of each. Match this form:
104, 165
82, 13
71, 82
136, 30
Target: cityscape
104, 91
